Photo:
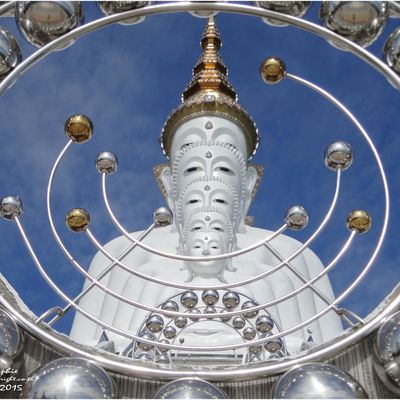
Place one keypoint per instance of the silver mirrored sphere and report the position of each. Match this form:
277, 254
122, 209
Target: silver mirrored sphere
145, 346
238, 322
338, 155
264, 324
359, 21
249, 304
145, 357
249, 333
155, 323
294, 8
69, 378
387, 353
210, 297
189, 388
210, 310
189, 299
106, 162
205, 13
170, 332
10, 340
318, 381
180, 322
117, 7
193, 312
274, 345
227, 318
231, 300
41, 22
163, 359
10, 52
11, 207
170, 305
162, 216
391, 51
296, 218
255, 349
163, 349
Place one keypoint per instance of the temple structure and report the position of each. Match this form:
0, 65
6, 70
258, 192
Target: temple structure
209, 184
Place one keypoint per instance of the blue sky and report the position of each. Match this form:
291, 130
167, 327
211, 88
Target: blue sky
127, 79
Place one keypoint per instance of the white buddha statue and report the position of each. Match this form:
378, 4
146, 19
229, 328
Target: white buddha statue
209, 185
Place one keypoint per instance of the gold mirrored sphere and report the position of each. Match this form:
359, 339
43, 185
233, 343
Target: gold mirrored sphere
273, 70
359, 220
77, 219
79, 128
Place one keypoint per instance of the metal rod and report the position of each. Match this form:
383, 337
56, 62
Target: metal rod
352, 314
101, 276
304, 280
7, 10
58, 310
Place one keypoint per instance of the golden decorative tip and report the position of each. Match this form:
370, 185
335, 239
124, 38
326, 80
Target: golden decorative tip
79, 128
210, 74
273, 70
77, 219
359, 220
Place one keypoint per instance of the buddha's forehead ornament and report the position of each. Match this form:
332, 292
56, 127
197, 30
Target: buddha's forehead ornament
210, 93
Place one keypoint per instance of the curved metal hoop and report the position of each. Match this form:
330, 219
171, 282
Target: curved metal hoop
96, 282
326, 351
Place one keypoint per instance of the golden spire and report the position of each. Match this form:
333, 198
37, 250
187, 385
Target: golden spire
210, 93
210, 73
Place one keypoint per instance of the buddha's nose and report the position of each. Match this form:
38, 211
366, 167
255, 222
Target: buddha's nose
205, 252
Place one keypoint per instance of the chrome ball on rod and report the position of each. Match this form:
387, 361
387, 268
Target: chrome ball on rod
10, 52
293, 8
338, 155
41, 22
106, 162
11, 207
359, 21
116, 7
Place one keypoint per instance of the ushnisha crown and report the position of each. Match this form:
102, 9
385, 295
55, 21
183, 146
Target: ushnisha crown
210, 93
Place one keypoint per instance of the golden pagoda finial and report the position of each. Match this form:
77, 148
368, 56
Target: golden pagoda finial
209, 93
210, 73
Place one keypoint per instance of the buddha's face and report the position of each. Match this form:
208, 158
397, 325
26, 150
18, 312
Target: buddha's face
207, 193
209, 219
212, 160
203, 243
208, 129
